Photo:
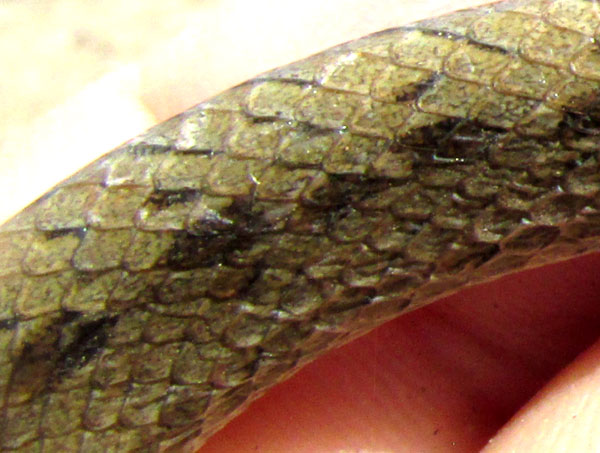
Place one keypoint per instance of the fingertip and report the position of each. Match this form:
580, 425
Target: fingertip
563, 416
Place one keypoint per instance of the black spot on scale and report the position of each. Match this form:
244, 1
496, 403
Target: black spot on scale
190, 251
413, 91
165, 198
54, 234
8, 324
52, 352
87, 339
450, 141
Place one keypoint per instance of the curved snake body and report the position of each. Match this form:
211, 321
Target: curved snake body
148, 298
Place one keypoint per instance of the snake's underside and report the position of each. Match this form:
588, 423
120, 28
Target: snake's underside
148, 298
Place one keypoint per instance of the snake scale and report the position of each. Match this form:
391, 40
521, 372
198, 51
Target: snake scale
148, 298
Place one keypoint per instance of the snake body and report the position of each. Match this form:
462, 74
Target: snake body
148, 298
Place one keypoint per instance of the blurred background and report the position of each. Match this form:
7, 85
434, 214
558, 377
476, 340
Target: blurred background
51, 49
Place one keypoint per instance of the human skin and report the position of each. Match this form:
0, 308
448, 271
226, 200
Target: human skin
445, 378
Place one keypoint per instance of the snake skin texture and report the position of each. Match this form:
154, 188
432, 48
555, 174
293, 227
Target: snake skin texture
148, 298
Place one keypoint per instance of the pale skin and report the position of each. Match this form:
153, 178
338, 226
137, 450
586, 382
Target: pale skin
501, 366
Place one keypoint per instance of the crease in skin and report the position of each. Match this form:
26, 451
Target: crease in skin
150, 297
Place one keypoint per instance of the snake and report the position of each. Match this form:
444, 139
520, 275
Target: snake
150, 297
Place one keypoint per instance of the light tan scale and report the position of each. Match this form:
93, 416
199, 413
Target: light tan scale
146, 300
